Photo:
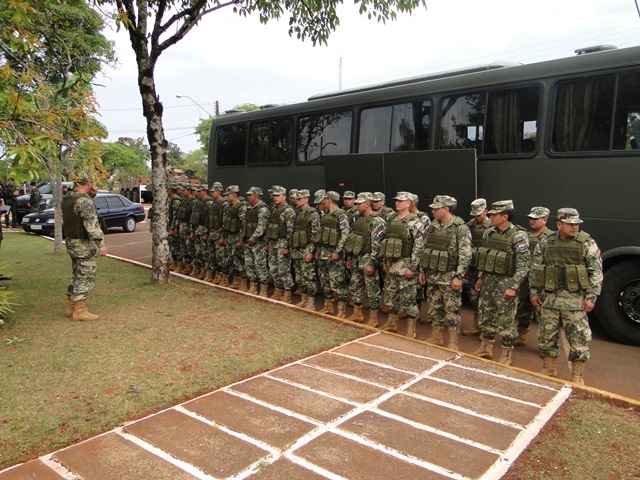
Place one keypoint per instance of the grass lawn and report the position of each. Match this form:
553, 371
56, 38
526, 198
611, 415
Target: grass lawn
155, 346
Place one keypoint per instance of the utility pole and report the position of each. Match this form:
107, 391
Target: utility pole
217, 108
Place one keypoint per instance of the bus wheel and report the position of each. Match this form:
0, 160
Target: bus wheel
618, 307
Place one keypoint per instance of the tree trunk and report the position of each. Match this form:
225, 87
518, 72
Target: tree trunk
56, 190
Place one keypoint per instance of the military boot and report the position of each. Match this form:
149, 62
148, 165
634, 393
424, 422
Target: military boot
203, 274
411, 327
179, 268
187, 269
195, 272
328, 307
263, 290
277, 294
453, 339
472, 332
70, 308
356, 316
236, 283
373, 318
297, 291
577, 372
549, 366
505, 355
81, 314
208, 277
521, 341
311, 303
226, 281
253, 288
243, 285
391, 325
342, 310
303, 301
436, 336
485, 350
286, 297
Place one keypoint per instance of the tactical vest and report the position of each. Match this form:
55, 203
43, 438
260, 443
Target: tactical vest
301, 236
231, 221
215, 215
73, 226
359, 240
534, 241
251, 218
197, 217
495, 256
185, 209
563, 265
329, 232
436, 256
276, 225
398, 242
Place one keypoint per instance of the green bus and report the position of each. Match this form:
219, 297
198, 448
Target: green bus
559, 133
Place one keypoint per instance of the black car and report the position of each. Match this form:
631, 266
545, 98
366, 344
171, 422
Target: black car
116, 210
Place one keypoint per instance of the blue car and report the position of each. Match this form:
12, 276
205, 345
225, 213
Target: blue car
116, 210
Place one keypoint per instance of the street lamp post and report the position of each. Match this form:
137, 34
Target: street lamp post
201, 107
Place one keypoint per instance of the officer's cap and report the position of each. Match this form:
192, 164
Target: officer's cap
501, 206
349, 194
363, 197
539, 212
569, 215
440, 201
478, 206
254, 191
378, 196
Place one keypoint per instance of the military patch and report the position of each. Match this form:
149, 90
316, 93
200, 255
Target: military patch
241, 216
343, 222
522, 246
292, 215
315, 221
380, 233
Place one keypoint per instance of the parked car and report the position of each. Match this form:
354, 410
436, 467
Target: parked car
22, 205
116, 210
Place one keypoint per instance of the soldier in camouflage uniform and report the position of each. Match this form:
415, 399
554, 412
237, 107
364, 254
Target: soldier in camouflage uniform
173, 236
363, 258
332, 236
254, 231
503, 264
445, 260
199, 216
232, 224
566, 279
184, 229
84, 240
479, 224
303, 248
348, 202
214, 224
402, 249
526, 313
35, 197
279, 230
378, 206
420, 291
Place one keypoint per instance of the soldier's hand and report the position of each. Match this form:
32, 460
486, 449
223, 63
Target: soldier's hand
222, 241
348, 263
456, 284
334, 257
587, 305
422, 278
536, 301
409, 273
285, 251
510, 293
369, 270
308, 257
239, 244
478, 285
251, 242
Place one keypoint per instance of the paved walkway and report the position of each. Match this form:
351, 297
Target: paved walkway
379, 407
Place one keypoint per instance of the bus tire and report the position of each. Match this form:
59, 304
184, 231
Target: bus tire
618, 307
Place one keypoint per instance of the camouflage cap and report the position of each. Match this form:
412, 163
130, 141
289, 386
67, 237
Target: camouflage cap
304, 193
254, 191
278, 190
440, 201
363, 197
403, 196
232, 189
349, 194
501, 206
478, 206
216, 186
335, 196
293, 193
271, 189
378, 196
539, 212
569, 215
414, 198
319, 196
189, 186
200, 188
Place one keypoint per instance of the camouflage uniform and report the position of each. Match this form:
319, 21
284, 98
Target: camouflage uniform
214, 223
477, 240
174, 226
279, 230
83, 238
255, 252
232, 221
305, 230
185, 213
447, 255
563, 302
331, 238
35, 197
198, 221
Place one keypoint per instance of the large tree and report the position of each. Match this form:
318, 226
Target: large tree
155, 25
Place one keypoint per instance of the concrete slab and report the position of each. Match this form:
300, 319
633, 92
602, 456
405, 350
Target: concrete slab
400, 360
204, 446
35, 470
285, 469
497, 369
262, 423
395, 342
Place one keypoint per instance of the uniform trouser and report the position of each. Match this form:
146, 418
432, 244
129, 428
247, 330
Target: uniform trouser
473, 294
361, 282
525, 313
199, 251
84, 266
576, 328
235, 258
400, 294
332, 278
306, 275
443, 305
14, 215
186, 249
212, 249
280, 267
255, 262
174, 248
497, 314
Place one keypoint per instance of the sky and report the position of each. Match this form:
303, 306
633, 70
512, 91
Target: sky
236, 60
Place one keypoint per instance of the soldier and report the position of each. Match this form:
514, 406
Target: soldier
479, 224
331, 238
175, 198
348, 201
232, 221
446, 257
402, 250
214, 223
525, 313
503, 264
423, 216
420, 291
363, 257
293, 199
279, 230
254, 231
184, 229
566, 279
84, 240
198, 221
305, 229
10, 200
35, 197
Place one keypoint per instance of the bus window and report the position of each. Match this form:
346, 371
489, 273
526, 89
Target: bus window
512, 121
395, 128
230, 143
582, 115
271, 142
325, 134
462, 122
626, 132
